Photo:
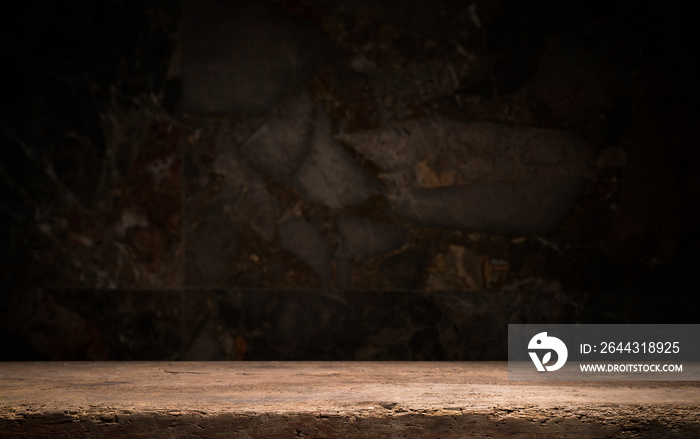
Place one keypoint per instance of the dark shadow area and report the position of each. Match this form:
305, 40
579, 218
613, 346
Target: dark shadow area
342, 180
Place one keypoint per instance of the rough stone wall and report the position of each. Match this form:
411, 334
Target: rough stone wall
262, 146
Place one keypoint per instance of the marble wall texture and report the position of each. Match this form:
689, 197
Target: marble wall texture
312, 179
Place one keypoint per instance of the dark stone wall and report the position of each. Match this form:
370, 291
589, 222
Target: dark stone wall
311, 179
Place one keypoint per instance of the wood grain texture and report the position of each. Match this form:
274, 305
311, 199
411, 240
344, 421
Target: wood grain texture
329, 399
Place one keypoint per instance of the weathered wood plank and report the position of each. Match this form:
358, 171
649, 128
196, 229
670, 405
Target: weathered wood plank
330, 399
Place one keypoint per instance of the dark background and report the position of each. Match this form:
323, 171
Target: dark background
185, 180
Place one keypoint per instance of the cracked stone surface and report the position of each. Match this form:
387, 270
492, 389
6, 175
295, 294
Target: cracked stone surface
330, 175
443, 152
295, 147
281, 145
527, 207
478, 176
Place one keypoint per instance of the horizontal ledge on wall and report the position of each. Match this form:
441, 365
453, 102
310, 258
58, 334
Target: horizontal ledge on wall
329, 399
